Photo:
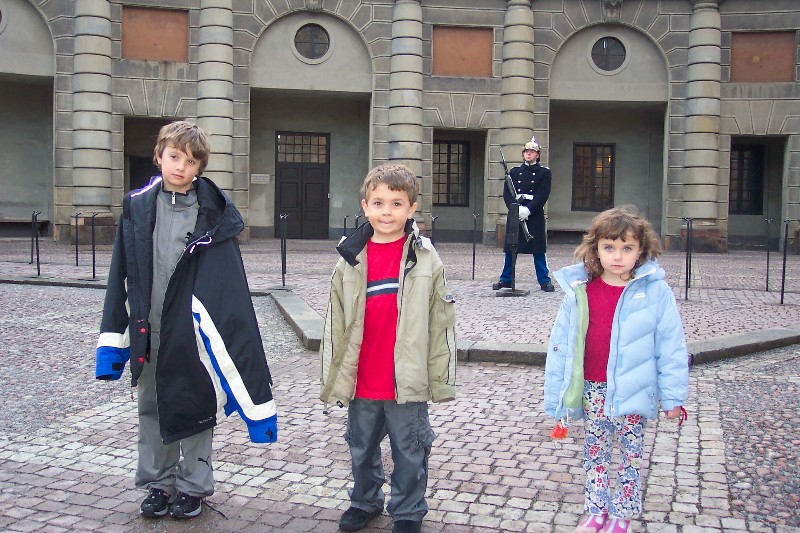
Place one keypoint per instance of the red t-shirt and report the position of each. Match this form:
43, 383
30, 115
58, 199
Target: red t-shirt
603, 300
376, 362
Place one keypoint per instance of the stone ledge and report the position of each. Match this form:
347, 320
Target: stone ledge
706, 351
305, 322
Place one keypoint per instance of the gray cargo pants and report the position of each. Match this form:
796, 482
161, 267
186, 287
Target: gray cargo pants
159, 465
410, 437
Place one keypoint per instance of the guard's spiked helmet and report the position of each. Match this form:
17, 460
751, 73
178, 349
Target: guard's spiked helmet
532, 145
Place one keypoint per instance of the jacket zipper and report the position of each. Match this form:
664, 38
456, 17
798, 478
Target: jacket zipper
400, 291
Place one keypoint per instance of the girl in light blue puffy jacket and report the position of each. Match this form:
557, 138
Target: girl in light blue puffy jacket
617, 355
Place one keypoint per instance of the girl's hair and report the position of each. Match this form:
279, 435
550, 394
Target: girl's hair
187, 137
396, 176
617, 223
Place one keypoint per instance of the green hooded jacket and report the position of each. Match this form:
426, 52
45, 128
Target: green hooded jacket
425, 349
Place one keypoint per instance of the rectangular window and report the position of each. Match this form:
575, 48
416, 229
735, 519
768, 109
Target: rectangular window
592, 177
150, 34
451, 173
747, 180
462, 51
302, 148
763, 57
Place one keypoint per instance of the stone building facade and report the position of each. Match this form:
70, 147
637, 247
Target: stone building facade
689, 109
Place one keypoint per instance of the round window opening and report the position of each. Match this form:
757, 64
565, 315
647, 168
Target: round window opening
608, 53
312, 41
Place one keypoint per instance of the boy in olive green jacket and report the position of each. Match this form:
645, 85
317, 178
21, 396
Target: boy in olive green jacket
388, 348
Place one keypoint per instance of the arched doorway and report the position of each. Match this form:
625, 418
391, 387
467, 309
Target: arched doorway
310, 115
609, 92
27, 65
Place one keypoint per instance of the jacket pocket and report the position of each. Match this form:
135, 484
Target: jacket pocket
448, 305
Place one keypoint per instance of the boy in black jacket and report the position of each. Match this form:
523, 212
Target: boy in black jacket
178, 306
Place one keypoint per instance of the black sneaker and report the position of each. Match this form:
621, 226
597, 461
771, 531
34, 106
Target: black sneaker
355, 519
548, 287
496, 286
186, 506
156, 504
407, 526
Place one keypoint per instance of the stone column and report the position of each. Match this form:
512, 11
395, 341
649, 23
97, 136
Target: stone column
91, 118
516, 106
702, 184
405, 132
215, 88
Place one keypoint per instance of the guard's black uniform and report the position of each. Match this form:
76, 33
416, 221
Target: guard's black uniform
533, 189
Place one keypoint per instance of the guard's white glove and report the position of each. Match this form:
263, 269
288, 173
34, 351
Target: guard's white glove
524, 213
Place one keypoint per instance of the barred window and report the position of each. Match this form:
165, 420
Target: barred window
592, 177
747, 180
451, 173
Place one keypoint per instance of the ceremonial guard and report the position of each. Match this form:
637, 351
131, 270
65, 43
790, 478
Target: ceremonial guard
532, 183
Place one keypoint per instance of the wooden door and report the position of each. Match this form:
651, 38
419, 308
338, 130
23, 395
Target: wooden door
302, 184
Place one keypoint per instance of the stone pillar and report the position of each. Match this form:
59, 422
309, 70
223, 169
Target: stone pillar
215, 87
516, 106
91, 118
405, 132
702, 184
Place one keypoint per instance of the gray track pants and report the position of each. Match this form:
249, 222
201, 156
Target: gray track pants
159, 465
410, 437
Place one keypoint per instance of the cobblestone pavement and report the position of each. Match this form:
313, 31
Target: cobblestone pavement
67, 443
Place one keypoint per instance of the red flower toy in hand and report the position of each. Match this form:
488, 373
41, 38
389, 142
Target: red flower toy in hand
560, 431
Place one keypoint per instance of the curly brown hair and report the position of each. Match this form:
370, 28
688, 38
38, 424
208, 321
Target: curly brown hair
187, 137
618, 223
396, 176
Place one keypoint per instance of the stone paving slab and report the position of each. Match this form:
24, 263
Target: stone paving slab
67, 443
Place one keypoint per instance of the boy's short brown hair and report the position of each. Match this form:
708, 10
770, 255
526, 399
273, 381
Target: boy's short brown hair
396, 176
185, 136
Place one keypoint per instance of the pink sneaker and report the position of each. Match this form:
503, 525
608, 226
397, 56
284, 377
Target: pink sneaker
593, 523
616, 525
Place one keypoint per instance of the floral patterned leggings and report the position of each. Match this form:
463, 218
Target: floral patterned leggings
601, 432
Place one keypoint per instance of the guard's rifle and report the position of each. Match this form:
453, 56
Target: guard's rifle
513, 190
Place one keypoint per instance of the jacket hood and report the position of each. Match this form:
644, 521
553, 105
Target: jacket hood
217, 216
349, 247
569, 276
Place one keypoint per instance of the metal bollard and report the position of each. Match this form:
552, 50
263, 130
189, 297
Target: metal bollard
344, 227
474, 240
34, 231
76, 238
35, 237
433, 229
283, 230
688, 284
785, 248
358, 216
94, 257
766, 245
